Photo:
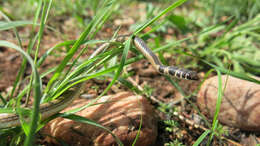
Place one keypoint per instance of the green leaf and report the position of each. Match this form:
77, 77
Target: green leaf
234, 74
179, 21
202, 136
13, 24
171, 7
36, 82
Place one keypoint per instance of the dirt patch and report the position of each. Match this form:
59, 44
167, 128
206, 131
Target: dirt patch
10, 61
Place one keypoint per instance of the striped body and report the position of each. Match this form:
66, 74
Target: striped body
169, 70
46, 109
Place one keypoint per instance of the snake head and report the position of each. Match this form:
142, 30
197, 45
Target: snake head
191, 75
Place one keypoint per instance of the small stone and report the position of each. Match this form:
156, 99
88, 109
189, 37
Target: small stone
240, 106
120, 113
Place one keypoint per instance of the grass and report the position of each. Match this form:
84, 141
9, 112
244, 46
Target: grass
223, 46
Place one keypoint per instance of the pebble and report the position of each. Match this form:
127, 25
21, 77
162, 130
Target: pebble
240, 105
121, 114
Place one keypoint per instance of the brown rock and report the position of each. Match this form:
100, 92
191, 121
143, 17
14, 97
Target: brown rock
240, 105
121, 114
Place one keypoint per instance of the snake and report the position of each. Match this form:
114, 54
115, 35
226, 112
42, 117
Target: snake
8, 120
169, 70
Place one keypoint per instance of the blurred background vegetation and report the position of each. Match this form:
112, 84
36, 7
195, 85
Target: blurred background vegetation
232, 43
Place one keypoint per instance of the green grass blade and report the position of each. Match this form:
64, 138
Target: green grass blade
214, 124
128, 84
37, 90
69, 55
99, 21
30, 47
13, 24
235, 74
122, 63
86, 33
200, 139
64, 44
139, 129
171, 7
33, 128
33, 125
14, 29
84, 69
18, 77
119, 70
7, 110
37, 14
3, 99
48, 52
81, 73
42, 25
246, 60
40, 33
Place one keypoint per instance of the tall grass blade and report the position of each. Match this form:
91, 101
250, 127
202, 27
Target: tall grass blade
33, 127
37, 91
171, 7
13, 24
3, 99
214, 124
86, 33
201, 138
119, 70
235, 74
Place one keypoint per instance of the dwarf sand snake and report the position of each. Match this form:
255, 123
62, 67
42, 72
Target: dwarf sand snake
48, 109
